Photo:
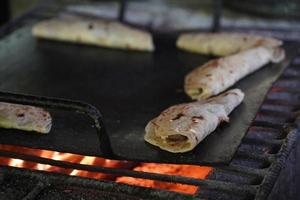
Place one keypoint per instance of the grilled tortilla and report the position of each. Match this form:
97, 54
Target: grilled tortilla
217, 75
181, 127
95, 32
223, 44
27, 118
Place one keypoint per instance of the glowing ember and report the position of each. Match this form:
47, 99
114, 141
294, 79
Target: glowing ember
197, 172
74, 158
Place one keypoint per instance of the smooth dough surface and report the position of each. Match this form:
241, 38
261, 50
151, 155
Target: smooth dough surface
95, 32
223, 44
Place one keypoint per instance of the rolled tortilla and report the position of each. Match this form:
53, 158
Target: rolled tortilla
223, 44
217, 75
95, 32
181, 127
22, 117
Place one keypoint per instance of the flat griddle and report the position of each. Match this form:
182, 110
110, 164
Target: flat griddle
129, 88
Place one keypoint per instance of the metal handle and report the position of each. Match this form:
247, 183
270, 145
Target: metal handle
69, 105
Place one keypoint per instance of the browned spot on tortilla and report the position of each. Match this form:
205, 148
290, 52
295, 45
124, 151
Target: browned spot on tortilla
154, 122
90, 26
20, 115
213, 63
208, 75
230, 71
178, 116
176, 138
259, 42
245, 39
198, 117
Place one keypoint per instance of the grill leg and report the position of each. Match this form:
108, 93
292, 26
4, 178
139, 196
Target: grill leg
122, 10
217, 10
4, 11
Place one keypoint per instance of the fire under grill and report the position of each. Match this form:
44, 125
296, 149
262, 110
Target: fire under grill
251, 173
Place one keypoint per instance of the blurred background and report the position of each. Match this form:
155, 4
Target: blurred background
176, 14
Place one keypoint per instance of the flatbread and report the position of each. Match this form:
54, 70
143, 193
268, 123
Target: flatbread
27, 118
217, 75
95, 32
223, 44
181, 127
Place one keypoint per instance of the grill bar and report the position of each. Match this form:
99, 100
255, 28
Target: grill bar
264, 141
278, 126
250, 155
123, 172
112, 188
36, 190
276, 166
242, 170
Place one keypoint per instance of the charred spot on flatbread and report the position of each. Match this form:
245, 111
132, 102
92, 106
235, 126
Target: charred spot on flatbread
91, 26
178, 116
20, 115
176, 138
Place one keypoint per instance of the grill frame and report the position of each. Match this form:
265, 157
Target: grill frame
259, 191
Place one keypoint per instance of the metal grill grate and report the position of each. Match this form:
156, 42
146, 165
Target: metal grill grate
250, 175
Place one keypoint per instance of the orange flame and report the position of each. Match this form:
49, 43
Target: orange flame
74, 158
198, 172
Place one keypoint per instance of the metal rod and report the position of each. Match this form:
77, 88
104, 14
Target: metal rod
4, 11
282, 114
241, 170
264, 141
269, 158
122, 10
282, 102
217, 15
270, 178
278, 126
104, 186
36, 191
220, 185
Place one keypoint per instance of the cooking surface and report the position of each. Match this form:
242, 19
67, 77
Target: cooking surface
129, 88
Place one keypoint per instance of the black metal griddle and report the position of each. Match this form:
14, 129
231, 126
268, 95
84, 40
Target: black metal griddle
129, 88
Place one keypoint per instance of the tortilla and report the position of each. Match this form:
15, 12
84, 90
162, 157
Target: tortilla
22, 117
95, 32
181, 127
223, 44
217, 75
